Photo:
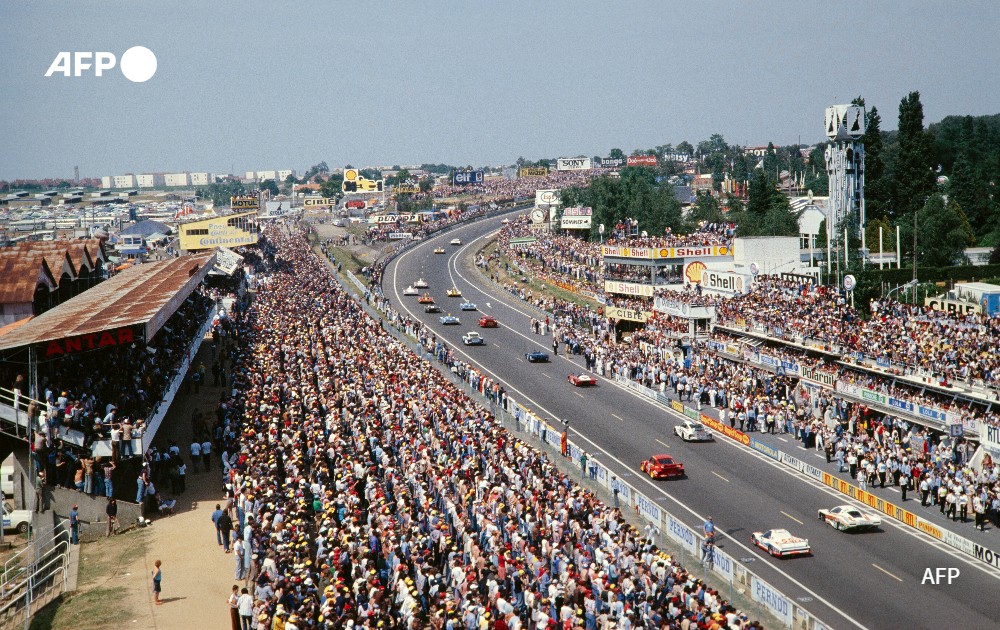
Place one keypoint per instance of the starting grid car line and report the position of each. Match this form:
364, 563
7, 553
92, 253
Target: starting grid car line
600, 449
967, 558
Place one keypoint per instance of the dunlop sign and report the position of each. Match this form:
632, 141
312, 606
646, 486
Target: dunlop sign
627, 314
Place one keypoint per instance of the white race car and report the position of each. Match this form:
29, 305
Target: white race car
845, 517
420, 284
456, 241
410, 290
780, 543
691, 431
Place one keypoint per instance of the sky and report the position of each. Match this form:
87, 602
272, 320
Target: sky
268, 85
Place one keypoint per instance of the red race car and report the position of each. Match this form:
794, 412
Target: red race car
487, 322
662, 467
582, 380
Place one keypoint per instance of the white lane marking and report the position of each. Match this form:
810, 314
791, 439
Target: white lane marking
720, 476
597, 448
578, 394
619, 417
519, 359
783, 439
546, 375
886, 572
792, 517
915, 534
663, 443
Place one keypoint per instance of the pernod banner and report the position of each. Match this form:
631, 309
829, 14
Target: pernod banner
573, 164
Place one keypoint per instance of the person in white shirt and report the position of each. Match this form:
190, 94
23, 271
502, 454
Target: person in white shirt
206, 454
195, 455
245, 606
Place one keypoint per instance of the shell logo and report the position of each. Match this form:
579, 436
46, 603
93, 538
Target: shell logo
723, 250
625, 252
693, 271
350, 174
664, 253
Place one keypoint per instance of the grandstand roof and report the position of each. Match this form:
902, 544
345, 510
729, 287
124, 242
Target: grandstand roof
21, 275
145, 295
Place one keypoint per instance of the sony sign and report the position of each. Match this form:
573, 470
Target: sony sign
725, 282
573, 164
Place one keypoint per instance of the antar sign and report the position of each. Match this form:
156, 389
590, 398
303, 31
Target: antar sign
92, 341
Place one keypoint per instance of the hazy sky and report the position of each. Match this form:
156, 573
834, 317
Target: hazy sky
260, 85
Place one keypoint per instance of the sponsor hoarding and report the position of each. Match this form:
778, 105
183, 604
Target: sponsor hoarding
628, 288
244, 202
318, 202
610, 162
642, 160
533, 171
952, 306
227, 231
666, 253
627, 314
725, 281
576, 218
464, 178
546, 197
573, 164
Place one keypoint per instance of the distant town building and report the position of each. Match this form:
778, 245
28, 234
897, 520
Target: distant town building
150, 180
176, 179
118, 181
202, 179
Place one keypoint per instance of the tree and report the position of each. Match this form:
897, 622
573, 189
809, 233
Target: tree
616, 154
871, 236
876, 182
685, 147
967, 187
332, 186
913, 173
270, 186
768, 212
706, 209
943, 233
315, 169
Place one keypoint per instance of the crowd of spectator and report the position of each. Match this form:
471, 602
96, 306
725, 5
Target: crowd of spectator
370, 492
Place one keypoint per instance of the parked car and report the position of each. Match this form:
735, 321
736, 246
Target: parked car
691, 431
16, 519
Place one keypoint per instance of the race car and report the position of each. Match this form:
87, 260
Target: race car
780, 543
662, 467
456, 241
473, 339
410, 290
420, 284
582, 380
505, 221
454, 292
487, 322
691, 431
450, 320
468, 306
425, 299
432, 308
537, 357
845, 517
438, 250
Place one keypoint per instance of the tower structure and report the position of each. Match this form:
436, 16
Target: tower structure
845, 167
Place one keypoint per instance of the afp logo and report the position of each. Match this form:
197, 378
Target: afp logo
138, 64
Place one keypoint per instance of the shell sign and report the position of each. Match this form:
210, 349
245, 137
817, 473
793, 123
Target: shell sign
693, 271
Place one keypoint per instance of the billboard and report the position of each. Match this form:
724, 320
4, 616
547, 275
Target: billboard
244, 202
628, 314
576, 218
533, 171
628, 288
642, 160
666, 253
610, 162
354, 182
464, 178
546, 197
952, 306
318, 202
573, 164
233, 230
725, 281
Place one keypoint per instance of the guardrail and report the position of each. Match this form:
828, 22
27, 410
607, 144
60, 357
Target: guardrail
34, 577
971, 548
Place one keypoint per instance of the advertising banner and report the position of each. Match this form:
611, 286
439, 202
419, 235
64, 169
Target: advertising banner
666, 253
724, 564
766, 449
576, 218
990, 439
725, 281
396, 236
649, 510
573, 164
952, 306
641, 160
627, 314
871, 395
546, 197
318, 202
464, 178
624, 490
724, 429
244, 202
628, 288
671, 307
683, 534
533, 171
522, 242
778, 604
610, 162
823, 378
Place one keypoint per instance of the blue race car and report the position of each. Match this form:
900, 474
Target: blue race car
468, 306
537, 357
450, 320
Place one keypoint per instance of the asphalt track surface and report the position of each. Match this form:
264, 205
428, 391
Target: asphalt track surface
863, 580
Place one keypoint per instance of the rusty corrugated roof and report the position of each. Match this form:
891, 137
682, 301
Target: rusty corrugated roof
144, 294
20, 275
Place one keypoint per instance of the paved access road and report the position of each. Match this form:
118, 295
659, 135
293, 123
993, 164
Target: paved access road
870, 580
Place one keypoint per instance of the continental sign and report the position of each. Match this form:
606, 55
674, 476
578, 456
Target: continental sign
725, 430
533, 171
628, 288
665, 253
229, 231
244, 202
318, 202
627, 314
952, 306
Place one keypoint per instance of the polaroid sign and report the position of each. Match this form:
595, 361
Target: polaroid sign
138, 64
